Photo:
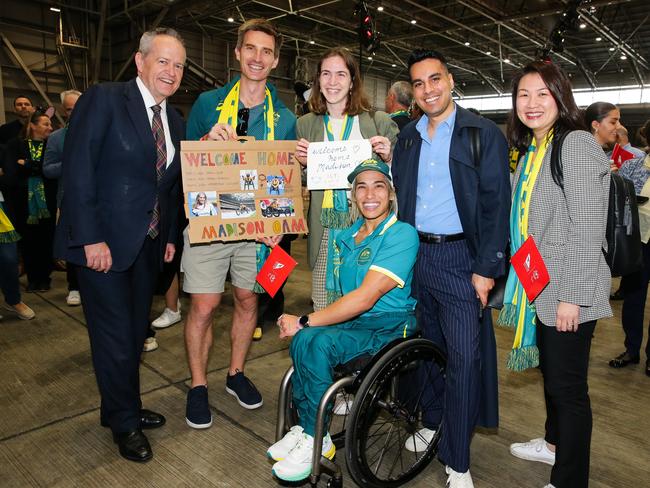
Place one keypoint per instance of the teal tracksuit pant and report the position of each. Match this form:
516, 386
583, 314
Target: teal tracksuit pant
315, 352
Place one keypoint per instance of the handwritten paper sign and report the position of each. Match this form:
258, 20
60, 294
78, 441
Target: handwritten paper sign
330, 163
241, 190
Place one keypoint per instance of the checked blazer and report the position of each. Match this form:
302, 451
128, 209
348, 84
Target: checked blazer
569, 229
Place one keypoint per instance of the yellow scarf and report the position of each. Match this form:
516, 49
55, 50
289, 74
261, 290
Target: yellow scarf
230, 107
7, 231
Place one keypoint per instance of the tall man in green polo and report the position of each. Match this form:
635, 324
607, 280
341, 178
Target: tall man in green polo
248, 105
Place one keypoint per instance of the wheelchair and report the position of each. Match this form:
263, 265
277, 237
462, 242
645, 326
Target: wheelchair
389, 397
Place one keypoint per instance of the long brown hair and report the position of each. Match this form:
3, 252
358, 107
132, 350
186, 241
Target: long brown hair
570, 117
357, 99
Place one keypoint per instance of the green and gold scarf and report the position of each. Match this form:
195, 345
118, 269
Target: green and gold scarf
517, 312
37, 206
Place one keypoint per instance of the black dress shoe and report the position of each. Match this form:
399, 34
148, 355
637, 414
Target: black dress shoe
148, 420
617, 295
623, 360
133, 445
151, 420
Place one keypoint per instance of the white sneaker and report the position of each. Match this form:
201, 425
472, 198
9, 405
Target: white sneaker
549, 486
297, 465
150, 344
281, 449
419, 441
167, 318
458, 480
342, 404
73, 299
534, 450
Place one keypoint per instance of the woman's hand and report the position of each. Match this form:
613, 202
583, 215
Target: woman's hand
567, 317
288, 325
21, 162
301, 151
382, 147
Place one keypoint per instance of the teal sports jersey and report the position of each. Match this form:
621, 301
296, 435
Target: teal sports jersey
204, 115
391, 250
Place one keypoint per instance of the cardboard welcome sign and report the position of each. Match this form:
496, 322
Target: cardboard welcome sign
241, 190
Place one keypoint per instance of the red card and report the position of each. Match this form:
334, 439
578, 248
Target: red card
620, 155
530, 268
275, 271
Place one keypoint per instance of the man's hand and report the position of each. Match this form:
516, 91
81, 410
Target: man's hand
170, 251
482, 285
98, 257
301, 151
567, 317
270, 241
222, 132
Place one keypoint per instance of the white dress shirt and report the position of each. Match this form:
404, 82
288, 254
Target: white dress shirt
149, 102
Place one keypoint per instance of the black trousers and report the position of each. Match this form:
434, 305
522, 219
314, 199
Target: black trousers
116, 306
635, 292
564, 361
36, 247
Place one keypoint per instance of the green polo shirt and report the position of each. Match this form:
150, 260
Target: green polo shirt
204, 115
391, 250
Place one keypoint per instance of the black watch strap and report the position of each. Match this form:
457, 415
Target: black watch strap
304, 321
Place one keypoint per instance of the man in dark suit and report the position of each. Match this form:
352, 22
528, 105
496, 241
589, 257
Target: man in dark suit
460, 208
119, 220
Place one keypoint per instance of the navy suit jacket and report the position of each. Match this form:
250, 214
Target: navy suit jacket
482, 193
110, 176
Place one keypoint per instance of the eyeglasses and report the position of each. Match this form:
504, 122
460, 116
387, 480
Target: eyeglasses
242, 121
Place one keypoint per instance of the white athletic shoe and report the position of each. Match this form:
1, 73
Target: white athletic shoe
167, 318
534, 450
419, 441
150, 344
342, 404
281, 449
73, 299
549, 486
297, 465
458, 480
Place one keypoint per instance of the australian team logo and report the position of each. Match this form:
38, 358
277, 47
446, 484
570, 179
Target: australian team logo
364, 257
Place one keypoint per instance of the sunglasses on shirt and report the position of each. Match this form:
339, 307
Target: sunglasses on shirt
242, 121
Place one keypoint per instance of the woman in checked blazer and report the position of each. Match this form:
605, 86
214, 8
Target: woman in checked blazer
565, 209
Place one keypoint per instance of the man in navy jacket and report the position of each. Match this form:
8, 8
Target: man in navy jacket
118, 222
460, 205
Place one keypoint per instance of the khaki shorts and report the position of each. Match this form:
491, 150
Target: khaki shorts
206, 265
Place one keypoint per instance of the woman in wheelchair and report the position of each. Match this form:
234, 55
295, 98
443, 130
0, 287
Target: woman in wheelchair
373, 260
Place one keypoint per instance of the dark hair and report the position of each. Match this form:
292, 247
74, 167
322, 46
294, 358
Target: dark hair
422, 54
570, 117
22, 96
644, 132
260, 25
357, 99
33, 119
597, 111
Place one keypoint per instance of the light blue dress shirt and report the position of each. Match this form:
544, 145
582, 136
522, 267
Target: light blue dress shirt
435, 206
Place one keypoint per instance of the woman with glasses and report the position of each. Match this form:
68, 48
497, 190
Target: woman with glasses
562, 204
340, 110
30, 199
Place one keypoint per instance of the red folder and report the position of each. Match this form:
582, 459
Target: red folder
275, 271
620, 155
530, 268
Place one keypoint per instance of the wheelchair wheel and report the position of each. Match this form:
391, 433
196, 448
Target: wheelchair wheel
388, 411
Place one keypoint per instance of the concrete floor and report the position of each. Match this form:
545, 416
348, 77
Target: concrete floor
49, 418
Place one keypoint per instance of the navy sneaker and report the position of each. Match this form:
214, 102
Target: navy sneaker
244, 390
197, 412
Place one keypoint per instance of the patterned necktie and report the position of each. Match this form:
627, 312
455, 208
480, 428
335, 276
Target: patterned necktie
161, 164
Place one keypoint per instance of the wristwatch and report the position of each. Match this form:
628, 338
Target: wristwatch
304, 321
